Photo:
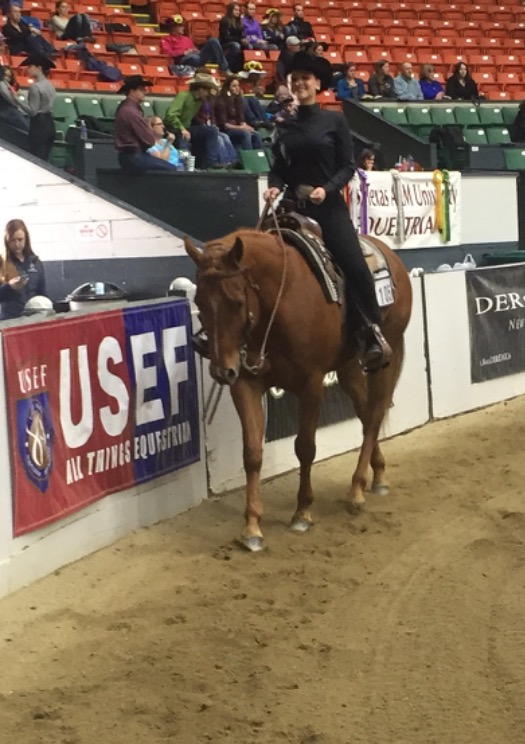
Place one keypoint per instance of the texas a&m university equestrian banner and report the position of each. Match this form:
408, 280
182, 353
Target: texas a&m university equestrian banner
98, 403
407, 209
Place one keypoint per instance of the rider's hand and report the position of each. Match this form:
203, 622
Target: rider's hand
318, 195
186, 135
271, 194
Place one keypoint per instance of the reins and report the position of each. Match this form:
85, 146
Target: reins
256, 368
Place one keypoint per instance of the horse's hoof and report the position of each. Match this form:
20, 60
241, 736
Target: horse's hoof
381, 489
355, 507
253, 544
300, 525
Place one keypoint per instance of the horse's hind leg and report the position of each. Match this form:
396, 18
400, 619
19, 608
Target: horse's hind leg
377, 461
310, 401
248, 402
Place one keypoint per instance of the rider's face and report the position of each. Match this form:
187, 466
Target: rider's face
305, 86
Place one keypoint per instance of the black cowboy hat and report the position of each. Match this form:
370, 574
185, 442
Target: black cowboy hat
133, 82
38, 60
317, 66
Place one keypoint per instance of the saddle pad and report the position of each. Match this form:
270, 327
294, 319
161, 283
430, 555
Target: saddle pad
373, 256
319, 260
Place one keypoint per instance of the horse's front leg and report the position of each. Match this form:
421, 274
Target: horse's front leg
247, 398
310, 401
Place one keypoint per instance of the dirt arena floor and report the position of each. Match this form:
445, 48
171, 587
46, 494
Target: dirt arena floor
402, 625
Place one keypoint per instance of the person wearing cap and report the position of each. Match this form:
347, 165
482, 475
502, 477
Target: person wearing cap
313, 162
252, 27
292, 46
132, 135
21, 271
250, 79
40, 99
203, 139
298, 26
272, 29
182, 49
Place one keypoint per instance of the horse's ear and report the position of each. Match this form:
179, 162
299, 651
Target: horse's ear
193, 252
237, 251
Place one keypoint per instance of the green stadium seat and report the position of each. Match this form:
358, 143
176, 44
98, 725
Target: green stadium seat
497, 135
418, 116
395, 115
64, 110
254, 161
148, 108
161, 105
109, 105
442, 115
509, 114
514, 158
89, 106
466, 116
490, 115
475, 136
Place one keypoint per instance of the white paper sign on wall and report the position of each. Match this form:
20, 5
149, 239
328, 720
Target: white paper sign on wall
95, 232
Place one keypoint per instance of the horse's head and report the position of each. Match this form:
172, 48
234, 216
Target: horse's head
227, 303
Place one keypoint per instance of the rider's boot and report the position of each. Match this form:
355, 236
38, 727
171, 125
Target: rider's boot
376, 352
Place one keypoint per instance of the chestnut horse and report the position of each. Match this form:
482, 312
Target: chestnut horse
269, 324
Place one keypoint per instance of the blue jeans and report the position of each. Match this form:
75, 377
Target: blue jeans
135, 163
253, 111
211, 51
227, 152
245, 140
205, 145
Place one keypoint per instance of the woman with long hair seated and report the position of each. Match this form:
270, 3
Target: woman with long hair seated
461, 86
21, 271
229, 113
350, 87
232, 37
66, 26
381, 83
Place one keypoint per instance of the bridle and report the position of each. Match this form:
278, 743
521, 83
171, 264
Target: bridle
254, 369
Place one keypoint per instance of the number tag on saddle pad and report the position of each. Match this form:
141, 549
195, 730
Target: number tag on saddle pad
384, 288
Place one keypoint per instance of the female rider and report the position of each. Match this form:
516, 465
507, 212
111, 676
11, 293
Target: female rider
314, 161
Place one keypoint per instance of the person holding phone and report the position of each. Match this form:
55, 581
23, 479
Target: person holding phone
21, 271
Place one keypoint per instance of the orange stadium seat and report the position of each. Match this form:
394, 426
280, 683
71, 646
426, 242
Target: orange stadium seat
366, 40
481, 61
418, 41
395, 41
359, 56
377, 53
128, 68
509, 62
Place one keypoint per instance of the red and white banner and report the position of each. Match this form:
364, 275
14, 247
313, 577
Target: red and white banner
98, 403
406, 209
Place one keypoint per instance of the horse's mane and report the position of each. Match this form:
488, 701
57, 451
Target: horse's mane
215, 251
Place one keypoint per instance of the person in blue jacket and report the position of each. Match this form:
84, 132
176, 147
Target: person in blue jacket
21, 271
432, 89
349, 87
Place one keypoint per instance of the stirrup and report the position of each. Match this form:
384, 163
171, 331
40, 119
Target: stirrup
377, 352
200, 343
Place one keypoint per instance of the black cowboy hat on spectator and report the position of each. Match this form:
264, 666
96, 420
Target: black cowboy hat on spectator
38, 60
317, 66
134, 82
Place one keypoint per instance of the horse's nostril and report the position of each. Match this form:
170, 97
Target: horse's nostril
229, 376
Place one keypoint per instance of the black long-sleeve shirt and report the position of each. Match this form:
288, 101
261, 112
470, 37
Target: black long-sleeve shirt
12, 301
315, 149
458, 92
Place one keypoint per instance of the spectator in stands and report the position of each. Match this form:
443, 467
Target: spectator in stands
367, 160
381, 83
432, 89
229, 112
292, 46
181, 118
283, 106
12, 110
23, 38
349, 87
460, 86
253, 90
298, 26
252, 28
317, 48
272, 29
66, 26
406, 86
163, 147
133, 137
517, 128
21, 271
182, 49
231, 36
40, 101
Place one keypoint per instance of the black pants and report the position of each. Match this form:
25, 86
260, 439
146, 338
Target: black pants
41, 135
341, 241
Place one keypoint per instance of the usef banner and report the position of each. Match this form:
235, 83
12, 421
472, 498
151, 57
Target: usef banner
496, 307
98, 403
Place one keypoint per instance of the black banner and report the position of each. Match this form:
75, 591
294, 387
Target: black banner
496, 307
283, 415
